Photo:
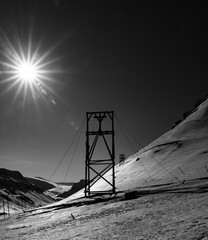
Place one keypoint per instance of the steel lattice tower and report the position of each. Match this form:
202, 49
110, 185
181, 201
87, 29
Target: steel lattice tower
105, 165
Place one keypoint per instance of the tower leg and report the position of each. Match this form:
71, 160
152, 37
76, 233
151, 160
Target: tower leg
92, 136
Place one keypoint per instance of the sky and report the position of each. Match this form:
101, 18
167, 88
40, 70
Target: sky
147, 62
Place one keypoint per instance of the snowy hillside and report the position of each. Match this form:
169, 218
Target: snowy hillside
41, 183
19, 193
50, 188
178, 155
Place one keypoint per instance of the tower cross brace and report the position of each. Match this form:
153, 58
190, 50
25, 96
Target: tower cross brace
105, 165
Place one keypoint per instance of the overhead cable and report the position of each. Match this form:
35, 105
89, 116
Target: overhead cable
64, 155
120, 125
80, 133
151, 154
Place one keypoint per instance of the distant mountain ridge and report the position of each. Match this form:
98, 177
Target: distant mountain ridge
41, 183
75, 188
51, 188
66, 183
13, 180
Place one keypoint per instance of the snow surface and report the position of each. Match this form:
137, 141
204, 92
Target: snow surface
165, 212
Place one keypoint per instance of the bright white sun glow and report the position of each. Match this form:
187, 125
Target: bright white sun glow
27, 70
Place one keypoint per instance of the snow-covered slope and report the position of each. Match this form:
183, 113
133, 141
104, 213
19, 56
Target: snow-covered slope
50, 188
18, 193
41, 183
178, 155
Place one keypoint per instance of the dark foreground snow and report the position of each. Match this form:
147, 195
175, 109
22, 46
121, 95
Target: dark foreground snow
165, 212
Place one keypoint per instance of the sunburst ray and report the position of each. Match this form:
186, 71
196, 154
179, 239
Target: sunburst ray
26, 69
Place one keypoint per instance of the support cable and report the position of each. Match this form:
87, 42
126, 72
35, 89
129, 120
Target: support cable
120, 125
64, 155
152, 155
80, 133
118, 120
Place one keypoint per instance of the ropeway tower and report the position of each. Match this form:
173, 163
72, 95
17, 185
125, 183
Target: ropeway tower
96, 168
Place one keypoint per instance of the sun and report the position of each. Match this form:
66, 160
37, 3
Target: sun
26, 69
27, 72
